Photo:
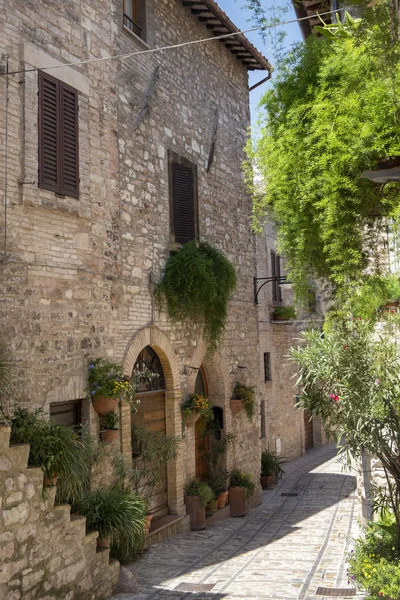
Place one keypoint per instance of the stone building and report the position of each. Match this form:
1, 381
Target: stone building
91, 154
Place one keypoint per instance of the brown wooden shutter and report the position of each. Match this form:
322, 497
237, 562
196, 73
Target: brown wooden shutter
69, 141
49, 149
183, 203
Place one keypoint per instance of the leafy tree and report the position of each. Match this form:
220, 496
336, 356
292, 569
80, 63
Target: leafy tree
332, 112
351, 379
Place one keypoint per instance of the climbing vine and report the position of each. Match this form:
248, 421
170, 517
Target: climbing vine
197, 286
332, 112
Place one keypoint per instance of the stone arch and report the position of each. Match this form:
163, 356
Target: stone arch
158, 341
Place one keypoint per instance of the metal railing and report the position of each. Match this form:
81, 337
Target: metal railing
133, 26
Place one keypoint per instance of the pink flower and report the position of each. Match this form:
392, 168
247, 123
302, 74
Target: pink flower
334, 397
377, 381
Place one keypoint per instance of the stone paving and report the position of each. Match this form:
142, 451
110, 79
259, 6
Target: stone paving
284, 549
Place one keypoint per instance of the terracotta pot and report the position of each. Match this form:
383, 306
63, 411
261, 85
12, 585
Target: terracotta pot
109, 435
267, 481
222, 499
197, 512
103, 542
191, 419
212, 507
104, 405
237, 501
281, 318
236, 406
51, 481
148, 523
390, 307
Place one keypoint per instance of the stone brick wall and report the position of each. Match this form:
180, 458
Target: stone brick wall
74, 280
45, 552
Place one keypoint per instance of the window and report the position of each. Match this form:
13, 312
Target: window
267, 366
66, 413
276, 272
135, 17
183, 195
58, 136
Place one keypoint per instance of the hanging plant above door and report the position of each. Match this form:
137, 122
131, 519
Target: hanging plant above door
198, 284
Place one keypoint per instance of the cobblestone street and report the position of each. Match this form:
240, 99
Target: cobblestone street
295, 542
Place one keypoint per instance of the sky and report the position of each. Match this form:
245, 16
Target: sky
242, 19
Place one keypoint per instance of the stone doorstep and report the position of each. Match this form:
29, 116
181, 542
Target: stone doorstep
165, 528
220, 515
157, 526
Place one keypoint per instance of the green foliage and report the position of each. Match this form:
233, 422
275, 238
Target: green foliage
248, 397
110, 421
117, 514
271, 464
197, 286
218, 481
366, 297
351, 379
374, 565
57, 449
151, 453
106, 379
284, 312
326, 122
196, 487
199, 405
239, 478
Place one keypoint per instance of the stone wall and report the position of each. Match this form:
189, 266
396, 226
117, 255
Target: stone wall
45, 553
74, 278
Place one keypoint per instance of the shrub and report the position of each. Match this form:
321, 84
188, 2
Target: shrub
198, 284
284, 313
196, 403
271, 464
196, 487
239, 478
247, 395
218, 482
117, 514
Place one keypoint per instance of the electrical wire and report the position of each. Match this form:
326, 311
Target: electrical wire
163, 48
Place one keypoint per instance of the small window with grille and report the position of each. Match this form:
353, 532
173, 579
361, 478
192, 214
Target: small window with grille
267, 366
134, 17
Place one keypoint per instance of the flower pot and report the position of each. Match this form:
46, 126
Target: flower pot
104, 405
103, 542
190, 419
236, 406
148, 523
267, 481
109, 435
211, 507
390, 307
281, 318
237, 501
222, 499
50, 481
197, 512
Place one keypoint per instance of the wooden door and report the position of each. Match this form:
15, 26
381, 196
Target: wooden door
308, 431
151, 416
201, 447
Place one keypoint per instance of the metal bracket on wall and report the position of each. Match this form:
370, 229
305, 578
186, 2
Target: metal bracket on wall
266, 280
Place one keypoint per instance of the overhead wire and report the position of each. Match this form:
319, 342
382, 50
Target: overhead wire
171, 47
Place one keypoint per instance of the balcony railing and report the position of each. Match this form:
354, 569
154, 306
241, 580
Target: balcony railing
133, 26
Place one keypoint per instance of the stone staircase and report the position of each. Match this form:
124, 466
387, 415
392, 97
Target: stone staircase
45, 553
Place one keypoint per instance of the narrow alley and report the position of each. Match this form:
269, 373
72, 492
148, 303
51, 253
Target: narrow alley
287, 548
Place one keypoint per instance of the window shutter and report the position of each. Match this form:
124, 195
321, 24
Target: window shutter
69, 141
49, 140
183, 203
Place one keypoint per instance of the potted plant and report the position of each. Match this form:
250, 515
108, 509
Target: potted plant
270, 468
218, 482
246, 396
284, 313
241, 488
110, 431
107, 385
118, 516
197, 495
194, 407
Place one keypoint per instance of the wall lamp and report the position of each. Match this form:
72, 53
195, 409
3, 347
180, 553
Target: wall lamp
283, 282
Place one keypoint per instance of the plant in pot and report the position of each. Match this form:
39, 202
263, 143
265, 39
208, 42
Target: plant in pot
197, 495
241, 488
194, 407
246, 396
284, 313
109, 431
218, 482
270, 468
119, 517
214, 455
151, 453
107, 386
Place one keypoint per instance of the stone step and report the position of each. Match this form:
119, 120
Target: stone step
61, 512
19, 455
103, 554
4, 436
78, 525
115, 568
50, 497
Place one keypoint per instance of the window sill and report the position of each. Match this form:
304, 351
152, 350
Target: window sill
135, 37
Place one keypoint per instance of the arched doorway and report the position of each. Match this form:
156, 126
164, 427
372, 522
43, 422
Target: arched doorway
150, 384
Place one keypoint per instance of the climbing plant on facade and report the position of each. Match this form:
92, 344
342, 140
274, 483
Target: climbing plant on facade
197, 286
331, 113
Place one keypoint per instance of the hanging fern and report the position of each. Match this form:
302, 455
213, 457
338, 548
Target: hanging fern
198, 284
